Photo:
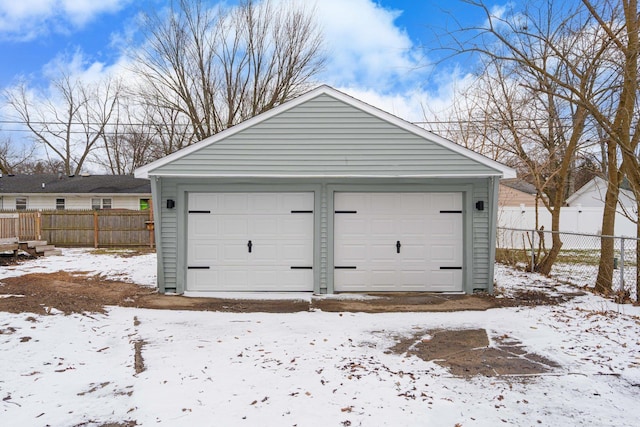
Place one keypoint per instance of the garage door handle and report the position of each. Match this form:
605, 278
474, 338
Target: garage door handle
398, 245
249, 245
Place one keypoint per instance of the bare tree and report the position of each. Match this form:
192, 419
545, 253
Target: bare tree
215, 67
600, 77
620, 21
539, 64
14, 158
70, 119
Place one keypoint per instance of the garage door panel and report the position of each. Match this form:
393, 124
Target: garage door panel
233, 227
232, 203
447, 201
384, 203
428, 227
444, 253
206, 225
295, 226
299, 255
295, 202
291, 280
381, 276
264, 204
447, 227
203, 252
263, 279
382, 227
262, 226
240, 279
413, 252
382, 252
412, 226
348, 225
352, 280
232, 253
441, 280
202, 280
349, 201
350, 253
279, 226
203, 202
413, 202
263, 253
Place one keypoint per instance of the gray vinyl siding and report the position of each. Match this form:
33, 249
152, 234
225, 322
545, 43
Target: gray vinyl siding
324, 136
169, 235
481, 236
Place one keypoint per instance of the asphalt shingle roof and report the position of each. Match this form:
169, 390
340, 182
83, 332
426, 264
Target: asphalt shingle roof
520, 185
53, 183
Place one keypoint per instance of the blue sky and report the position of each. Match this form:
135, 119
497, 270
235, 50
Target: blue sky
375, 47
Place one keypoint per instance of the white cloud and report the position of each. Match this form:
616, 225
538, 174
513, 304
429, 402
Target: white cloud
371, 58
364, 45
28, 19
418, 104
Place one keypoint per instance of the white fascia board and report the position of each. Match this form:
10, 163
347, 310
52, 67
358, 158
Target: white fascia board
504, 171
320, 176
62, 194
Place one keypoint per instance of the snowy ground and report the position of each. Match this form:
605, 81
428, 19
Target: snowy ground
309, 368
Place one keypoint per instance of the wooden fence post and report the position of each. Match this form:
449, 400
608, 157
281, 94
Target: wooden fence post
38, 226
16, 226
95, 229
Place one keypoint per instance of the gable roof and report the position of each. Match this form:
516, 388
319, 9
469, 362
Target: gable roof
519, 185
61, 184
325, 133
598, 185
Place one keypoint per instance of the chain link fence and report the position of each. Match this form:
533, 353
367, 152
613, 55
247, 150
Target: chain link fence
578, 260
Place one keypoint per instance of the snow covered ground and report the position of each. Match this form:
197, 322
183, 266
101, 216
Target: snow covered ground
308, 368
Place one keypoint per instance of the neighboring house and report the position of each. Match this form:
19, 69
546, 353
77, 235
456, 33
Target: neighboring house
592, 195
516, 192
325, 194
56, 191
582, 213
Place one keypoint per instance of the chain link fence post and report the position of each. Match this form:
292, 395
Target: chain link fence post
533, 250
622, 265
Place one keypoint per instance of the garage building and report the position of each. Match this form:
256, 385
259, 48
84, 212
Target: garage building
325, 194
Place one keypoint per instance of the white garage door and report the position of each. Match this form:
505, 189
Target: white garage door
398, 242
250, 242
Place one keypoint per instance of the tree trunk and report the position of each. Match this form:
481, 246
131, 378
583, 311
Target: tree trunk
604, 279
545, 265
638, 251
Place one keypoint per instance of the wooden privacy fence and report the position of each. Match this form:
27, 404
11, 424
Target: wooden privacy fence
97, 228
24, 226
9, 226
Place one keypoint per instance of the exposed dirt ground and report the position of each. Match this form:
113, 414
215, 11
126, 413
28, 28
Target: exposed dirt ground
79, 292
464, 352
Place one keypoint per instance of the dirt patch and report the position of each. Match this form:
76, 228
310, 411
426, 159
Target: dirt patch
41, 293
468, 353
403, 302
80, 292
69, 293
138, 359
